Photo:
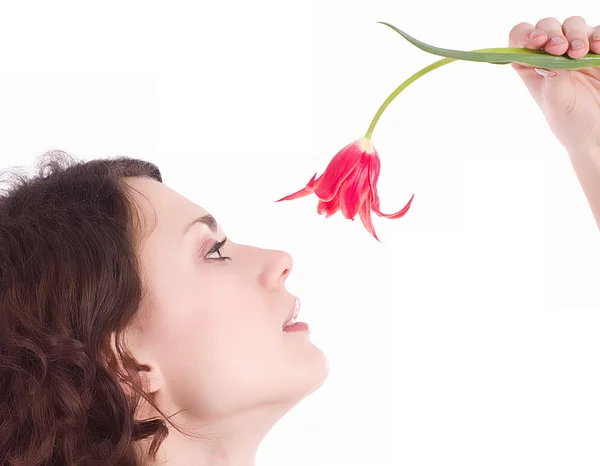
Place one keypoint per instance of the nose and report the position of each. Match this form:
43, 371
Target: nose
278, 266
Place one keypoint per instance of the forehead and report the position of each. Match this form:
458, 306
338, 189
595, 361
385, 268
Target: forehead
163, 210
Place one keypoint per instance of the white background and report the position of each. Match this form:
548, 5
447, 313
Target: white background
470, 335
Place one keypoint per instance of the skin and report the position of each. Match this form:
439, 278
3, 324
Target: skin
211, 338
569, 99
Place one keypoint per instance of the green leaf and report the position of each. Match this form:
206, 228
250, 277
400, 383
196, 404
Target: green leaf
505, 55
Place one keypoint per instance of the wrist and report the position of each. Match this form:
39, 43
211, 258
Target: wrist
586, 162
589, 151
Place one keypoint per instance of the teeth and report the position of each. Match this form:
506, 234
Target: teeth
295, 316
291, 322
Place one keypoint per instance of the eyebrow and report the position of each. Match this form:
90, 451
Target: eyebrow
207, 219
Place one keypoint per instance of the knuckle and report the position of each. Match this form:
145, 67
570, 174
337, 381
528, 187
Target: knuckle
574, 19
548, 24
519, 28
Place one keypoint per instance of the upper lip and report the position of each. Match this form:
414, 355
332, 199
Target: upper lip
293, 312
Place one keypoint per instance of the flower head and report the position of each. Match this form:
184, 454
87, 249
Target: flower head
349, 184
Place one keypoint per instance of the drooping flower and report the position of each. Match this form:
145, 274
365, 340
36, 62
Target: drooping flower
350, 181
349, 184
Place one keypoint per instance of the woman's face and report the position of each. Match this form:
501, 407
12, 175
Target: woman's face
212, 335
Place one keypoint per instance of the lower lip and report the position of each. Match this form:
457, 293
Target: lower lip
297, 327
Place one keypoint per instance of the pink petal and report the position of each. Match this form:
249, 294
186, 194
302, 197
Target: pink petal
338, 170
398, 214
329, 207
355, 189
308, 189
365, 217
374, 169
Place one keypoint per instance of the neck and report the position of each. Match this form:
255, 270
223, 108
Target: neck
231, 441
177, 450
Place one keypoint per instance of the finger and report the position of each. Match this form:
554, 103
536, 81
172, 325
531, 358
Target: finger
552, 40
525, 35
557, 43
594, 39
577, 33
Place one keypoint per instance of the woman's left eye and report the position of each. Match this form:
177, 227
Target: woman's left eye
216, 249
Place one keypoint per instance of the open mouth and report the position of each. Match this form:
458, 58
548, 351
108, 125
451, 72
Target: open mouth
293, 314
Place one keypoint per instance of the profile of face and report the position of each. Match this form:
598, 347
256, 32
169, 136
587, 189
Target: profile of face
211, 338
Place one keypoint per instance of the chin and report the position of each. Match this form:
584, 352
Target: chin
311, 376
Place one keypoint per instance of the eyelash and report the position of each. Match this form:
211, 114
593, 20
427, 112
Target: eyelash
217, 248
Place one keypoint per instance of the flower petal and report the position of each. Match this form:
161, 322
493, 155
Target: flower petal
365, 217
338, 170
374, 169
329, 207
398, 214
308, 189
355, 189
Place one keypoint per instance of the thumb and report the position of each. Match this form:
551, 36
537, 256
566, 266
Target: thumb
558, 89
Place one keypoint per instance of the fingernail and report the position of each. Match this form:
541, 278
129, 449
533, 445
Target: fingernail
535, 33
577, 44
557, 40
547, 73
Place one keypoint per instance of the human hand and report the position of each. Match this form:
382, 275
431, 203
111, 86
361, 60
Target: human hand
569, 99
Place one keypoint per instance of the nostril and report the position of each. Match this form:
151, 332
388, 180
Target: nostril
284, 274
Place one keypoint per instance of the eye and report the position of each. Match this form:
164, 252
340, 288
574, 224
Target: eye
216, 249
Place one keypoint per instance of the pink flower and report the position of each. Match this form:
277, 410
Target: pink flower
349, 183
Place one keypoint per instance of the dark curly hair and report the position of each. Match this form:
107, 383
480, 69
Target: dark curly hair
70, 280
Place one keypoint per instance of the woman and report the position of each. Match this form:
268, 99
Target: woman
121, 341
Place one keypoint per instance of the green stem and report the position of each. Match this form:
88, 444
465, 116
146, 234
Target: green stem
402, 86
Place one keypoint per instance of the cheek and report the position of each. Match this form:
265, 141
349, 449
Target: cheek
216, 338
221, 315
227, 342
233, 317
219, 312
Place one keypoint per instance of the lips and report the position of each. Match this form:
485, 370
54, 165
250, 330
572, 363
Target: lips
293, 313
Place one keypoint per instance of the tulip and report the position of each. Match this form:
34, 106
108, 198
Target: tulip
349, 182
